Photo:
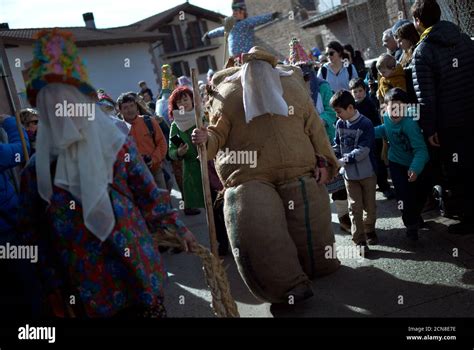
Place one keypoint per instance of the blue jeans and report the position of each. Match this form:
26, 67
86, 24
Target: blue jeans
411, 195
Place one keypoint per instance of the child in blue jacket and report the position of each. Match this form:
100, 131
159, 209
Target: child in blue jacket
354, 145
407, 157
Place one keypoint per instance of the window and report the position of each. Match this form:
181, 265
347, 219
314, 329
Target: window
205, 63
181, 68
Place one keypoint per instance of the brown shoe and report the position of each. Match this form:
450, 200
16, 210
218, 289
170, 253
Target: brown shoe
345, 223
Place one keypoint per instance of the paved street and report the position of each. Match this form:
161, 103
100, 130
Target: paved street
431, 278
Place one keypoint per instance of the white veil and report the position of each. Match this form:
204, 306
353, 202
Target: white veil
85, 147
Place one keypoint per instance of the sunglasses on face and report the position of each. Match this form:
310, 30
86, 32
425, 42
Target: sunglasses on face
330, 53
35, 122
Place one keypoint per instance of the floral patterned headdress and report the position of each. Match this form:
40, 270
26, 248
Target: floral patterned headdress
56, 60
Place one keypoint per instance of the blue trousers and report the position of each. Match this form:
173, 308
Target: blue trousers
411, 196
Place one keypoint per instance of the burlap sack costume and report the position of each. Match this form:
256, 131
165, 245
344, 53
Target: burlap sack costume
277, 217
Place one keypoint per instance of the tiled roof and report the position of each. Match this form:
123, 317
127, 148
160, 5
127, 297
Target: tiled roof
155, 21
136, 32
84, 36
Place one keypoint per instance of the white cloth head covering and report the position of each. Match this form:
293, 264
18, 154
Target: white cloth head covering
184, 120
85, 148
262, 89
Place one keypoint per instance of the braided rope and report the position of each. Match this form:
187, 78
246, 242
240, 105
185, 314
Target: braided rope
216, 278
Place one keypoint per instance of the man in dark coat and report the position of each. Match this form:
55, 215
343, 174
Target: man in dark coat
443, 77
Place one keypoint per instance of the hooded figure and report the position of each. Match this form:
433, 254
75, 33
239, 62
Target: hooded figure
88, 201
270, 153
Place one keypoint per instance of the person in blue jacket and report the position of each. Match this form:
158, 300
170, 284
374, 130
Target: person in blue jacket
408, 156
19, 288
242, 36
11, 155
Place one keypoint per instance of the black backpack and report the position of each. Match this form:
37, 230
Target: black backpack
150, 127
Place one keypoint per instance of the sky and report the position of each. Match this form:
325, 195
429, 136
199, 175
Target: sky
107, 13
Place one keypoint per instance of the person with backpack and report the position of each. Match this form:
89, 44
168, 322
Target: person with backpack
338, 72
443, 66
355, 58
148, 136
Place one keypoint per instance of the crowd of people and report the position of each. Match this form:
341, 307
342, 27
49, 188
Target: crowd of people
94, 192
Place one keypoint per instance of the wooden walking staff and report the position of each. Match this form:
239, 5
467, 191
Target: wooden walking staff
15, 101
204, 171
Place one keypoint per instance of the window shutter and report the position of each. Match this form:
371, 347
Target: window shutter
187, 71
177, 71
202, 64
194, 35
179, 37
168, 43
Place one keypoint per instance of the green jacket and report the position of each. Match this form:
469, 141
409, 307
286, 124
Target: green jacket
192, 183
329, 115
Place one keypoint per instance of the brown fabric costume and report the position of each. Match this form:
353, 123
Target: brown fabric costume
277, 217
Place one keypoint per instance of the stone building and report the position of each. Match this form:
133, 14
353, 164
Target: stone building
357, 22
